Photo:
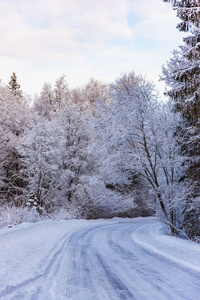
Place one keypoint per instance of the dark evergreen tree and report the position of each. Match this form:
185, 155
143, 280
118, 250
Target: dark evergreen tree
188, 11
14, 119
182, 76
14, 86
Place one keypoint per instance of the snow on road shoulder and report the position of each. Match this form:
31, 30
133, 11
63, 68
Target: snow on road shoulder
154, 237
26, 249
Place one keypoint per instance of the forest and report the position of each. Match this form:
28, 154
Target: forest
107, 150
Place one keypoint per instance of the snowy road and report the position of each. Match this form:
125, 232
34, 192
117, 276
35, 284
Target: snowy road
91, 260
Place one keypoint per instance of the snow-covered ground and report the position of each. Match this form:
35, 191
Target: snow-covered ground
102, 259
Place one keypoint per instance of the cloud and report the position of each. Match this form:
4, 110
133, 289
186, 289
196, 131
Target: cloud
42, 39
29, 28
157, 20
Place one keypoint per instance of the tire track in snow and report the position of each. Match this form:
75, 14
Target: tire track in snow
56, 255
146, 269
89, 281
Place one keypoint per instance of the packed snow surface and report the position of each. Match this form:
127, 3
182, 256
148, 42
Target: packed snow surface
102, 259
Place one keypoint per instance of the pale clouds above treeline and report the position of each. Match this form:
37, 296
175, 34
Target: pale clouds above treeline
84, 38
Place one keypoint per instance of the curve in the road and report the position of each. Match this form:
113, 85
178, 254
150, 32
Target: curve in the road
116, 261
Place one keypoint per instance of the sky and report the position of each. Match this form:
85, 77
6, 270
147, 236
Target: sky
82, 39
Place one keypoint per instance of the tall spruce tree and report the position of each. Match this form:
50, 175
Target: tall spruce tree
14, 86
182, 76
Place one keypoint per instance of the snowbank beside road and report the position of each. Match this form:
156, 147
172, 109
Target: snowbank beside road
156, 239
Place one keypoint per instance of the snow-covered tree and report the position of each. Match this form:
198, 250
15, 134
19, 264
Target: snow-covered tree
56, 157
13, 121
182, 74
51, 100
74, 156
188, 11
139, 144
44, 104
182, 77
14, 86
39, 150
61, 92
87, 96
